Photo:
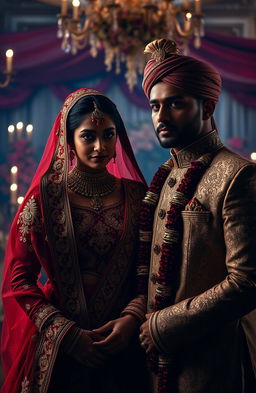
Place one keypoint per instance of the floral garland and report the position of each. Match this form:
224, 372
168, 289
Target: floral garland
170, 249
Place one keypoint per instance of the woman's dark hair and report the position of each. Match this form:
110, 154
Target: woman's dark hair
86, 105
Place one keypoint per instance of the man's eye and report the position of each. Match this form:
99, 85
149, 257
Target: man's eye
154, 107
176, 104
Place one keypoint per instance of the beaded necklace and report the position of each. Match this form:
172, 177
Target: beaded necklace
171, 246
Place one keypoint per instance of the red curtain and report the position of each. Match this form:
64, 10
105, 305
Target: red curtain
39, 60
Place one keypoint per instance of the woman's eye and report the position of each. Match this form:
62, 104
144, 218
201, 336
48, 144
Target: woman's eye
88, 137
109, 135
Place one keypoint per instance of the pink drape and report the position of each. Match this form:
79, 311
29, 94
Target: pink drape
40, 61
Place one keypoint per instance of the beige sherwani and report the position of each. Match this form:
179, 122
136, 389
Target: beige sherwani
204, 332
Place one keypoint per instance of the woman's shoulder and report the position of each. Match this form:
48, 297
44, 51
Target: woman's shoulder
136, 188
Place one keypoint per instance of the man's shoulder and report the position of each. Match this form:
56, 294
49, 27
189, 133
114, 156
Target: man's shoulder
226, 158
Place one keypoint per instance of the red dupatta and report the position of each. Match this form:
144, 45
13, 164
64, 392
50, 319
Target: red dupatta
47, 193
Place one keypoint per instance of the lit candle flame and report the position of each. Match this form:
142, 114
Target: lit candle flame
9, 55
14, 169
76, 5
11, 128
13, 187
19, 125
29, 128
20, 199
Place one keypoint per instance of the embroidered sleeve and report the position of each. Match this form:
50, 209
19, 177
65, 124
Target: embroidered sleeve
137, 307
29, 218
29, 246
233, 297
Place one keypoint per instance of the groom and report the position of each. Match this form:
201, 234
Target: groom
198, 229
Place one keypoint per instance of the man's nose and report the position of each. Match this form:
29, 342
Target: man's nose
162, 115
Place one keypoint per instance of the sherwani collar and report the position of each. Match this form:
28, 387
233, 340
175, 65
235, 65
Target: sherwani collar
206, 144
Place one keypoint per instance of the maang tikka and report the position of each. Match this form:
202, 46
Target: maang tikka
97, 115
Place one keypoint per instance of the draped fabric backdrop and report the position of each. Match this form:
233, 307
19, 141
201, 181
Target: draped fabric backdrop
44, 75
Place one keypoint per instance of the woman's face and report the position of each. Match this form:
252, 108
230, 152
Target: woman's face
94, 143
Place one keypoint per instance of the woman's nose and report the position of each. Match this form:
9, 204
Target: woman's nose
98, 145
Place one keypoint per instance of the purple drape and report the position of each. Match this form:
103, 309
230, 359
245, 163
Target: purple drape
39, 61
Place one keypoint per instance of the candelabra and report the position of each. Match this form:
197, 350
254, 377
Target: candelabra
123, 28
9, 68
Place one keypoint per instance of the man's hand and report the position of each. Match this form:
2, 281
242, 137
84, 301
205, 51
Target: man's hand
145, 338
118, 334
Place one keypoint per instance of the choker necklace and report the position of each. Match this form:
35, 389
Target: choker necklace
91, 185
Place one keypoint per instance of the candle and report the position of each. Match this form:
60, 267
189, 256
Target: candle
253, 156
20, 199
76, 5
13, 189
186, 4
9, 57
14, 174
29, 130
64, 7
198, 6
11, 130
19, 128
187, 22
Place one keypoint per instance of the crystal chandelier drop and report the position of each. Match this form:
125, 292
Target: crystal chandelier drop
124, 27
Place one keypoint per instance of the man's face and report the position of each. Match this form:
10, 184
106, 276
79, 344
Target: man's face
177, 117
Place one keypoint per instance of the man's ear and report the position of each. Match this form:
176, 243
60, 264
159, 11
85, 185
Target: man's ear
208, 109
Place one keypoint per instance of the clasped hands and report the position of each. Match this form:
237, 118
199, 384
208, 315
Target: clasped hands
92, 347
119, 333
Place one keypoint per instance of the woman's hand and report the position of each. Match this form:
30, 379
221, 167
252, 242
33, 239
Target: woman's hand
78, 343
117, 334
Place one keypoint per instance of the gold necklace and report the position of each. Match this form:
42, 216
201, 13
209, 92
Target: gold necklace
91, 185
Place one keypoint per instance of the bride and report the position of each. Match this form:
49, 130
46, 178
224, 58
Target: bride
70, 261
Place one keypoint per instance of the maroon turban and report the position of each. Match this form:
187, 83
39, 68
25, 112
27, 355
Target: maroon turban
196, 77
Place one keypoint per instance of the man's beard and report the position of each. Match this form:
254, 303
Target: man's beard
178, 137
169, 141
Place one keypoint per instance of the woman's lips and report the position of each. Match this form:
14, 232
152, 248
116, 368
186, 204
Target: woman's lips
98, 158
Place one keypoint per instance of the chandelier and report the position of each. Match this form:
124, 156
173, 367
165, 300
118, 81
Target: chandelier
124, 27
8, 69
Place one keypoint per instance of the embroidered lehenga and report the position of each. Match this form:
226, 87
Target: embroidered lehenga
69, 265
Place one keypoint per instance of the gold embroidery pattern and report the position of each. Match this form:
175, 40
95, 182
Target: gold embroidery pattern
43, 313
25, 385
59, 225
110, 292
216, 178
47, 352
208, 143
29, 218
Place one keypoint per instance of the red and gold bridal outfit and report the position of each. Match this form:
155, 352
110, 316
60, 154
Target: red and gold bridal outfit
86, 285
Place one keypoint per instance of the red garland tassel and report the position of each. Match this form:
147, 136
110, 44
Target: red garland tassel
170, 249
